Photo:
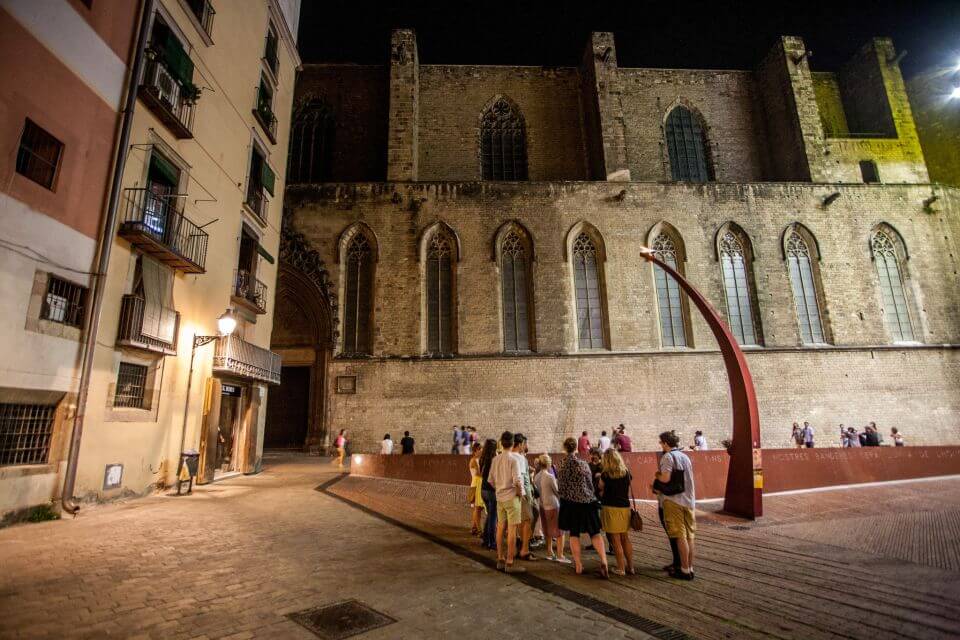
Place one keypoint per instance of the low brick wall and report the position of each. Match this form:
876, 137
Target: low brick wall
783, 469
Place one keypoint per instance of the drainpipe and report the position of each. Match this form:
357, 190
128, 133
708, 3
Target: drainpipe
104, 244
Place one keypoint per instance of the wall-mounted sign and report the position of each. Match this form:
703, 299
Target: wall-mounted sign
112, 476
346, 384
230, 390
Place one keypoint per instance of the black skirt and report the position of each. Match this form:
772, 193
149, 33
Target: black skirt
579, 517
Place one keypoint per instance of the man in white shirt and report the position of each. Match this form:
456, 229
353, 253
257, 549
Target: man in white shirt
505, 476
604, 441
386, 446
678, 509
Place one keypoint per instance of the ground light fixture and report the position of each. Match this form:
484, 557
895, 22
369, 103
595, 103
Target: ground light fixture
226, 324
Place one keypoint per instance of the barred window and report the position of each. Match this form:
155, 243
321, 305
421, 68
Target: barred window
38, 156
514, 281
25, 433
669, 303
131, 384
503, 143
64, 302
586, 281
734, 264
895, 308
804, 286
686, 146
440, 297
311, 144
358, 296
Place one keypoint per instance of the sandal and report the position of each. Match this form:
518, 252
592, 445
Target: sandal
604, 572
618, 572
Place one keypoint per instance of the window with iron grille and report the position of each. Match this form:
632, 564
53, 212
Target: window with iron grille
803, 283
514, 278
586, 282
686, 146
131, 384
358, 293
737, 289
669, 302
25, 433
64, 302
440, 297
311, 144
270, 49
503, 143
895, 309
39, 155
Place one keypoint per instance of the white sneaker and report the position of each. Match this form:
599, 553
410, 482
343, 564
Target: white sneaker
564, 560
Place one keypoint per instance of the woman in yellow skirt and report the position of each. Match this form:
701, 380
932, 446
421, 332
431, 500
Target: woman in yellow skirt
474, 499
615, 516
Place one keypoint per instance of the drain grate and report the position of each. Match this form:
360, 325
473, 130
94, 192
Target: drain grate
340, 620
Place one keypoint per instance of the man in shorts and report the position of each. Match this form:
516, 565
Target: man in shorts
527, 503
505, 476
678, 509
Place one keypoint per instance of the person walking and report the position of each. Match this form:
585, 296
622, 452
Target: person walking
465, 442
578, 506
386, 445
583, 445
456, 440
797, 436
341, 444
897, 437
407, 443
807, 435
678, 508
474, 499
604, 443
615, 514
506, 479
546, 483
489, 494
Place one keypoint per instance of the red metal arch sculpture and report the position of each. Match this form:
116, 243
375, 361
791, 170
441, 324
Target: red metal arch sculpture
744, 492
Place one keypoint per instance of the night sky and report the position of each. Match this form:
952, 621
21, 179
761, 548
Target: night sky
668, 33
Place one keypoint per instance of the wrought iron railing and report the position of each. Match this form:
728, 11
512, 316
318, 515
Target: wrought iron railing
204, 13
235, 356
169, 94
264, 114
130, 332
256, 201
157, 217
248, 288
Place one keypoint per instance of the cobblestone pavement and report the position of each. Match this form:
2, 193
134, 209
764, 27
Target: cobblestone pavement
868, 562
234, 558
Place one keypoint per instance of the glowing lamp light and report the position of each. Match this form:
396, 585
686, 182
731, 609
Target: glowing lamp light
955, 94
357, 459
226, 323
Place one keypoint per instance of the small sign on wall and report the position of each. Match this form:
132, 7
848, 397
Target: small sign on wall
230, 390
112, 476
346, 384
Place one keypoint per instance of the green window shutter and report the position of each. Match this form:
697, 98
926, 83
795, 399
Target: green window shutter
267, 178
176, 59
165, 169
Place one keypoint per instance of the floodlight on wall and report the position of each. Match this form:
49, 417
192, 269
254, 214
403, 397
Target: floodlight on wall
955, 94
830, 199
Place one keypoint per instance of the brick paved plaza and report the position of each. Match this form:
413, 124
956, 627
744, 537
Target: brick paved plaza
237, 556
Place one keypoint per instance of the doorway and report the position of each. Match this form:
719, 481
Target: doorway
228, 428
288, 410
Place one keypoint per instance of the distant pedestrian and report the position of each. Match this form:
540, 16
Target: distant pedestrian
489, 494
406, 443
465, 441
578, 508
615, 515
797, 436
870, 437
341, 444
621, 442
897, 437
873, 426
386, 445
807, 435
546, 483
604, 443
700, 442
583, 445
456, 440
678, 508
853, 438
505, 476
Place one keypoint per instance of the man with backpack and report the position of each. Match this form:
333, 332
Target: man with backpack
674, 481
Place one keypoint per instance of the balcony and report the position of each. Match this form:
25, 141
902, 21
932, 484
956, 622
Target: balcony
168, 98
154, 225
237, 358
249, 292
130, 333
203, 11
264, 115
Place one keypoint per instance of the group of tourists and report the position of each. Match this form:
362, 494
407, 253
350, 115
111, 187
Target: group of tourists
868, 436
407, 444
463, 440
588, 493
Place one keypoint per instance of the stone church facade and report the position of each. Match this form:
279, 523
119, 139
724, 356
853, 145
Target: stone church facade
461, 246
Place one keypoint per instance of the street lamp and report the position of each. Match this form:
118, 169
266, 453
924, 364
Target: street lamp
226, 323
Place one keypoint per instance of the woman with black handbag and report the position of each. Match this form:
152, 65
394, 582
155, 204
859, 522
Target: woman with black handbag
616, 515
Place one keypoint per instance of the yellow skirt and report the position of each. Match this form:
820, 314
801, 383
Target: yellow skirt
615, 519
473, 495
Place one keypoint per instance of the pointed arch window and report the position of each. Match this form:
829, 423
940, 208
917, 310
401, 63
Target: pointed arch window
669, 303
803, 282
440, 257
586, 281
311, 144
733, 249
515, 292
686, 146
503, 143
358, 296
895, 307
